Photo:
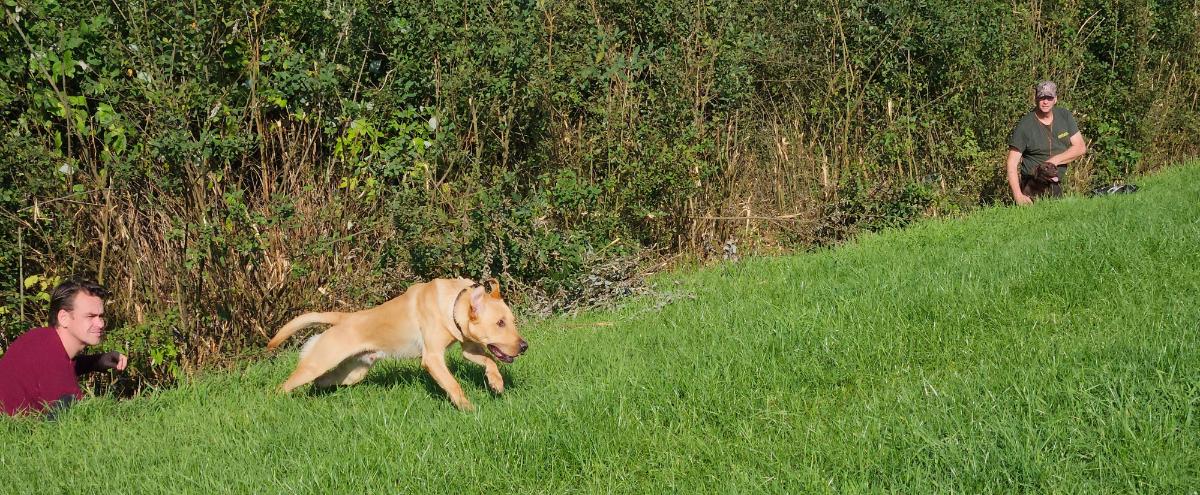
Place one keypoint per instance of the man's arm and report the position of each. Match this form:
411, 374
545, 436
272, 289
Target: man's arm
1014, 176
1077, 149
87, 363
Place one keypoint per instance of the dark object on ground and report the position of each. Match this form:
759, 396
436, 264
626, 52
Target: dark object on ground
58, 406
1117, 188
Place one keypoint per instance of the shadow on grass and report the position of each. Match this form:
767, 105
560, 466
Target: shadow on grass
399, 373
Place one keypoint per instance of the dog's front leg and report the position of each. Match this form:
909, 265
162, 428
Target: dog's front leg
435, 364
477, 354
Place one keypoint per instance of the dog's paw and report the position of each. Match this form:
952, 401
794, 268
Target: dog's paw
464, 405
496, 383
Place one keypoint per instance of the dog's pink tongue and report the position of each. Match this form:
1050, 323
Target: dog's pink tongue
1054, 179
500, 354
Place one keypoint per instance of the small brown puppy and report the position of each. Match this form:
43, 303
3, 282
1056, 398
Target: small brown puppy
422, 322
1044, 182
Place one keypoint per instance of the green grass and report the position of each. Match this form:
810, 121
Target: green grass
1045, 349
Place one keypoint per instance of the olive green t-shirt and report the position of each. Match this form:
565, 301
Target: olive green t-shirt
1037, 142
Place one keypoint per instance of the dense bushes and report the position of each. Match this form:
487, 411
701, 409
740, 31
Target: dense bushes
222, 165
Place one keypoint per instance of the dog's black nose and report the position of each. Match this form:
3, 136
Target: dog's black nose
524, 345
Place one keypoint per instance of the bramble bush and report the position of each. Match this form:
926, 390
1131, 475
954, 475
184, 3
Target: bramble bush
225, 165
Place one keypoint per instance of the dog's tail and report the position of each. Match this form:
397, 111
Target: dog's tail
302, 321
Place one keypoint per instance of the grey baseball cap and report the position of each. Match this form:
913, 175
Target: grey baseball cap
1046, 88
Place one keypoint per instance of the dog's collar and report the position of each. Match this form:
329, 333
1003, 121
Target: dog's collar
454, 308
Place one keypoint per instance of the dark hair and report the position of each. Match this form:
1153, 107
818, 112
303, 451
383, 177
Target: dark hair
63, 296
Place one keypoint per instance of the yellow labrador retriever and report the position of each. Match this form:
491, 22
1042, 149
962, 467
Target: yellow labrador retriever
422, 322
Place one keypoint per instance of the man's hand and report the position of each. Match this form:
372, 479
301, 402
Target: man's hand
110, 360
1022, 199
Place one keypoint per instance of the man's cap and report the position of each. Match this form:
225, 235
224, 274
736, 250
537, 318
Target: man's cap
1046, 88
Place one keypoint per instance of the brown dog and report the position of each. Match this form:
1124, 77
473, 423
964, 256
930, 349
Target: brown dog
422, 322
1044, 182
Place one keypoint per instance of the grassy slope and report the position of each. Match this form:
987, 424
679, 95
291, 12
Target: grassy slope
1042, 349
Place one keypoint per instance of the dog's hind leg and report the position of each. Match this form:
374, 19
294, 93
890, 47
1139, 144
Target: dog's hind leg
356, 375
350, 371
322, 355
477, 354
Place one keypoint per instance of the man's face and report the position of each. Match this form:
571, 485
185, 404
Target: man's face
1045, 103
86, 321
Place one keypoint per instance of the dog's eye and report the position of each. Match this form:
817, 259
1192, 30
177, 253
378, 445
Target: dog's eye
500, 323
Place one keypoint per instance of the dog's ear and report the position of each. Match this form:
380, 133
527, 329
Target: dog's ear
477, 293
495, 287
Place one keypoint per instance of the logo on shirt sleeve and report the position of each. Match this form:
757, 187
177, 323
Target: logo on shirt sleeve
1062, 134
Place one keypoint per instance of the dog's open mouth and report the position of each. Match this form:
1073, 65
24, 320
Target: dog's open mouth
499, 354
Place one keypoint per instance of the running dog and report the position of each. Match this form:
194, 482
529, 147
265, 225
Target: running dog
422, 322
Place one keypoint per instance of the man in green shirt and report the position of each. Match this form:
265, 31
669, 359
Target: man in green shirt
1045, 134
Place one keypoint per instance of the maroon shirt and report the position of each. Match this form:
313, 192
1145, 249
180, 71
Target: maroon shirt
36, 370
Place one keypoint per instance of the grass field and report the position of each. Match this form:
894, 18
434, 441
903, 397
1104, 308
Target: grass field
1049, 349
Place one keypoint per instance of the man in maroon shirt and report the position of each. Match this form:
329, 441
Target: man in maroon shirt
39, 371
